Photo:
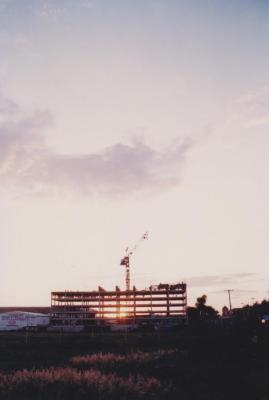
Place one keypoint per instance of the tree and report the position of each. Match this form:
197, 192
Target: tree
201, 311
201, 302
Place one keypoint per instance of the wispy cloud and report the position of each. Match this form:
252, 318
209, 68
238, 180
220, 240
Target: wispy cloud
88, 4
7, 107
49, 10
237, 292
254, 108
27, 162
219, 280
4, 4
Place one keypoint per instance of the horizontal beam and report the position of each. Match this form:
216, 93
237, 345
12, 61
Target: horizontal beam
117, 293
114, 299
66, 315
148, 305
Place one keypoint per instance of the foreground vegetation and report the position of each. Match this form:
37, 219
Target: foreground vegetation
206, 362
69, 383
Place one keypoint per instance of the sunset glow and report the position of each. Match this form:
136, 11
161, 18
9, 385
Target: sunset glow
118, 117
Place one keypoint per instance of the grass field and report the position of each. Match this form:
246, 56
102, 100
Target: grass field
189, 364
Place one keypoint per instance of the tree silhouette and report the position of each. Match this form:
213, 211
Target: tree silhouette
201, 311
201, 302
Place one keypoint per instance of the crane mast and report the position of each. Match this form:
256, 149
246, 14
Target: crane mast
125, 261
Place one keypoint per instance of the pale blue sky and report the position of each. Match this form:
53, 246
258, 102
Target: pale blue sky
121, 116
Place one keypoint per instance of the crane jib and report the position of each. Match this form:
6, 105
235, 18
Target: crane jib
126, 260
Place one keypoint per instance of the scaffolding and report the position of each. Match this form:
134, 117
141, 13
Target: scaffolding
159, 302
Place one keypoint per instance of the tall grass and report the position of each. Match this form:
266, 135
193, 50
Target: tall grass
130, 360
99, 376
69, 383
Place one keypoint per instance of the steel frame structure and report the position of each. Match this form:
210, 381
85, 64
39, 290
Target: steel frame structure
159, 302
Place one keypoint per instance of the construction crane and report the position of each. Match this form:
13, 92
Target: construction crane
126, 260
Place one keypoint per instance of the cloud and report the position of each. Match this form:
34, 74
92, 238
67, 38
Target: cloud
4, 4
218, 280
253, 108
27, 162
48, 10
7, 107
237, 292
88, 4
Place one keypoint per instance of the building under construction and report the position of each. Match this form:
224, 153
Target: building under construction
162, 302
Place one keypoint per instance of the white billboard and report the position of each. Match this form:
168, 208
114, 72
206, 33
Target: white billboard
16, 320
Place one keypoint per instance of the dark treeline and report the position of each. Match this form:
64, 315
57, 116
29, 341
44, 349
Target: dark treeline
251, 314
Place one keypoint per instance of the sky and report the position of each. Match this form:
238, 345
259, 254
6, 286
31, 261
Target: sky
119, 117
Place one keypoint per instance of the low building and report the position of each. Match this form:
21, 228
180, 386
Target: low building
20, 320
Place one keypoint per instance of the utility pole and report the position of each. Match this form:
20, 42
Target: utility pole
229, 295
